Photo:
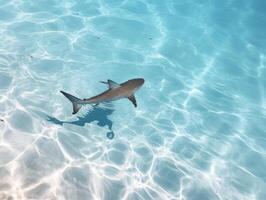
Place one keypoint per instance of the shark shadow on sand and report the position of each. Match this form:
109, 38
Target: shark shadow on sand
98, 114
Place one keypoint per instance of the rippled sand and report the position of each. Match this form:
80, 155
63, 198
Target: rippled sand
199, 131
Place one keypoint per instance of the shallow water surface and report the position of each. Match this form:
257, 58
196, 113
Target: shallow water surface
198, 133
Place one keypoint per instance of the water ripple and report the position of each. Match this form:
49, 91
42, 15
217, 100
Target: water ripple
199, 129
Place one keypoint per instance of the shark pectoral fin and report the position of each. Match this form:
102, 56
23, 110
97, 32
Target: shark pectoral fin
133, 100
112, 84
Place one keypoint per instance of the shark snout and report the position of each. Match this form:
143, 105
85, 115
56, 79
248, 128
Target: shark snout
140, 81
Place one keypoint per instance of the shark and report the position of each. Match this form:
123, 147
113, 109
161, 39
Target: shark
115, 91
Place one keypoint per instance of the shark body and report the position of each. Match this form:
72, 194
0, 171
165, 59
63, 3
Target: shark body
116, 91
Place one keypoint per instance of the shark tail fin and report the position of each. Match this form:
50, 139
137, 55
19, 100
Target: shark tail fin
75, 101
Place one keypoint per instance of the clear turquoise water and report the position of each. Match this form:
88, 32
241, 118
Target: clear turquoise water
198, 133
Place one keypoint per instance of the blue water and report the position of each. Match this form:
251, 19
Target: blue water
198, 133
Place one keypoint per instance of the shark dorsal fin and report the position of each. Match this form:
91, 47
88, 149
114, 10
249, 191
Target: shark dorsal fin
133, 100
112, 84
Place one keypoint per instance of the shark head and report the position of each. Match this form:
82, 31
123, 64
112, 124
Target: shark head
129, 87
136, 83
133, 85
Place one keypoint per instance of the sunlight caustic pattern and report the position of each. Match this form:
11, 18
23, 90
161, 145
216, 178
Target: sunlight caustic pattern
199, 131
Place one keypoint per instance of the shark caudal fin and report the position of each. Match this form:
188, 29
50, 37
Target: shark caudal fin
75, 101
